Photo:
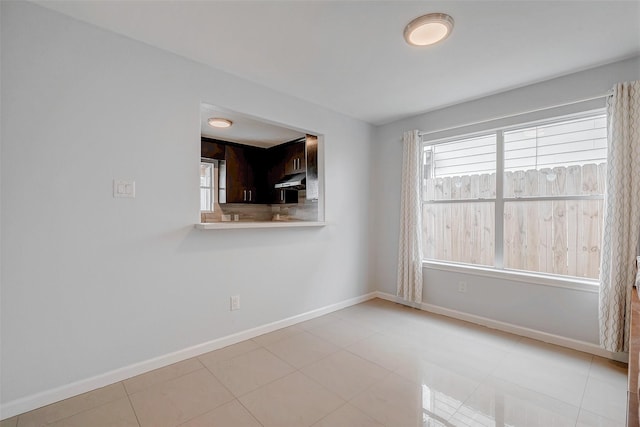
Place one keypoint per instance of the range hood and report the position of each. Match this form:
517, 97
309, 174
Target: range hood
296, 181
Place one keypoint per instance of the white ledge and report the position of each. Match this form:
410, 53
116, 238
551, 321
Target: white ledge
264, 224
532, 278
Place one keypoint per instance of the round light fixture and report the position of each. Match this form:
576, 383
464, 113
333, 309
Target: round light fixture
218, 122
428, 29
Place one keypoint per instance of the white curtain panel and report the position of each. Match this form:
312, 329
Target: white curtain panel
410, 249
622, 216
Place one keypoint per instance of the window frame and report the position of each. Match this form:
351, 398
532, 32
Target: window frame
211, 187
498, 270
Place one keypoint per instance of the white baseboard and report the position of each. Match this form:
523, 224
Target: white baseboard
583, 346
66, 391
47, 397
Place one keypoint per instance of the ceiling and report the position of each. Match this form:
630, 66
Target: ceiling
245, 130
350, 56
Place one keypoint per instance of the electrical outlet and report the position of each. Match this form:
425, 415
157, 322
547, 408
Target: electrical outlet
124, 188
235, 302
462, 286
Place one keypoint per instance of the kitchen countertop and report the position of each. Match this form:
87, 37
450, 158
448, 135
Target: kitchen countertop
257, 224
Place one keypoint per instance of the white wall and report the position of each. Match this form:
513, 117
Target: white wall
568, 313
91, 283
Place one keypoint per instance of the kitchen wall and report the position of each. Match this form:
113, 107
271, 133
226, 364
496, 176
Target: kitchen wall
568, 313
91, 283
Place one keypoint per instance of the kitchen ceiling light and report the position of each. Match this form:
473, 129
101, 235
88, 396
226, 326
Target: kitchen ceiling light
428, 29
218, 122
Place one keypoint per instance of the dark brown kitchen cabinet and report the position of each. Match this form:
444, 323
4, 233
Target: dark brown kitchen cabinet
240, 174
278, 158
295, 161
275, 172
212, 149
282, 196
294, 158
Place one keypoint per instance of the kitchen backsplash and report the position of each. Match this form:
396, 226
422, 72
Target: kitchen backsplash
304, 210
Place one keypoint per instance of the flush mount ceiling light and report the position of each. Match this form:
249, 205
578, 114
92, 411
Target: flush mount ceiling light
218, 122
428, 29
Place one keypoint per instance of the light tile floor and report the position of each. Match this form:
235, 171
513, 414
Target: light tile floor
373, 364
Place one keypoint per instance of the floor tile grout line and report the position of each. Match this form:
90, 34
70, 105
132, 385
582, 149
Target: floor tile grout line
84, 410
341, 345
462, 403
202, 366
586, 384
278, 340
249, 411
295, 369
613, 421
370, 386
280, 358
596, 412
231, 345
347, 400
75, 413
548, 396
260, 386
337, 409
244, 354
344, 401
132, 407
205, 368
304, 366
315, 361
370, 361
209, 411
298, 371
222, 384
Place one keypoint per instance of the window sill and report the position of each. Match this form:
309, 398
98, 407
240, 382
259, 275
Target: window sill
585, 285
265, 224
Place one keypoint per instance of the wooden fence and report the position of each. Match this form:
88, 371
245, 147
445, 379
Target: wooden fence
557, 237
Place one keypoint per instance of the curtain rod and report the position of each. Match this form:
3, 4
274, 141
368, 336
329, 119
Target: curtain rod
421, 134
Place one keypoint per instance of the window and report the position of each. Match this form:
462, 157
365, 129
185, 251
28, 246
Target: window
459, 189
526, 198
206, 186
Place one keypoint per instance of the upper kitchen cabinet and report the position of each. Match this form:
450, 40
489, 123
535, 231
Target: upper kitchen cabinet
276, 159
295, 160
211, 149
243, 174
295, 167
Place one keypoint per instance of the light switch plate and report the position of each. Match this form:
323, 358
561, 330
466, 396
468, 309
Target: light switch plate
124, 188
235, 302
